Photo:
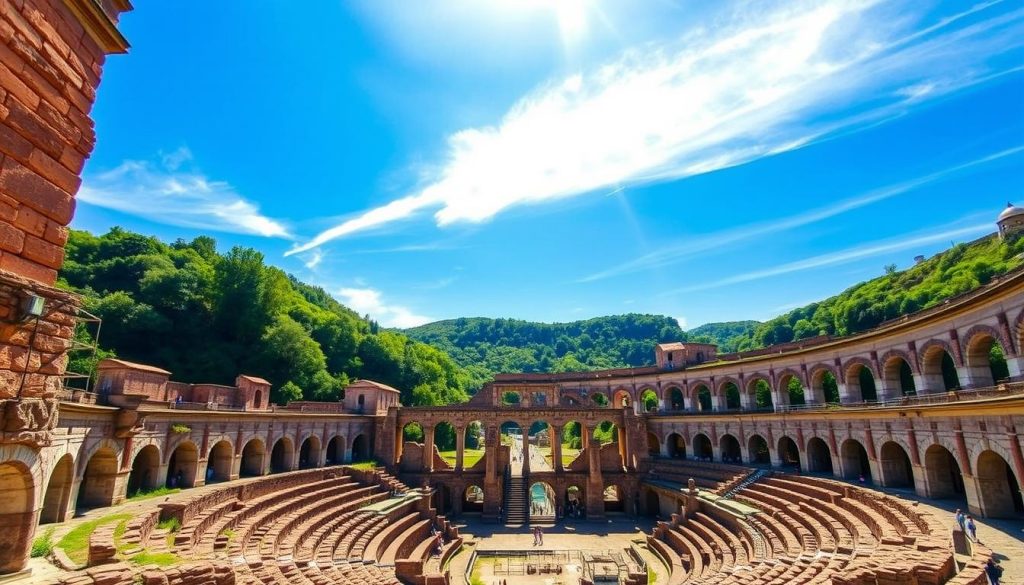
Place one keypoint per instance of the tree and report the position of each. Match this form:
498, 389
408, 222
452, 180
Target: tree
287, 392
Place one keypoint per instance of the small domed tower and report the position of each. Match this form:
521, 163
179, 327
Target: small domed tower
1010, 221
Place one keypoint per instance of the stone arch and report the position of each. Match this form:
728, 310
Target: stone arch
894, 465
58, 491
183, 465
99, 480
473, 499
145, 473
309, 452
855, 460
220, 461
998, 487
599, 399
819, 456
978, 343
822, 376
541, 501
334, 454
759, 392
649, 400
728, 392
652, 503
17, 514
653, 445
674, 398
938, 366
701, 397
409, 432
861, 380
675, 446
614, 498
575, 502
784, 395
943, 473
729, 447
702, 449
898, 373
253, 455
622, 398
360, 448
757, 450
282, 456
788, 453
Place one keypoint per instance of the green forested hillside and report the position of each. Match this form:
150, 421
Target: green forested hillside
960, 269
727, 334
488, 346
207, 317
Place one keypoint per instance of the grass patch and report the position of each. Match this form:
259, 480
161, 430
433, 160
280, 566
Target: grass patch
164, 559
652, 577
568, 454
76, 542
229, 533
154, 493
470, 457
365, 465
42, 546
171, 524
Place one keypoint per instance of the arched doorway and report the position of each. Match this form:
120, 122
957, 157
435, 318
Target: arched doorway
17, 515
819, 456
676, 446
791, 390
757, 450
183, 466
541, 437
860, 382
895, 467
730, 449
473, 500
943, 473
442, 499
445, 438
652, 504
986, 360
253, 455
145, 472
282, 456
731, 393
542, 502
702, 398
939, 370
474, 440
653, 445
649, 401
675, 399
899, 378
998, 488
789, 455
761, 394
824, 387
622, 399
218, 464
335, 454
58, 491
360, 449
309, 453
575, 505
856, 464
702, 449
97, 487
614, 499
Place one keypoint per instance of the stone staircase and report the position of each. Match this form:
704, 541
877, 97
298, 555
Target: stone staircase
752, 477
515, 501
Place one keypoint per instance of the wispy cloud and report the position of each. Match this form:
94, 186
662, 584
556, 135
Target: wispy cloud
763, 84
842, 257
678, 252
167, 192
369, 301
313, 259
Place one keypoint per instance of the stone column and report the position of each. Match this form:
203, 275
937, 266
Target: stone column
844, 394
556, 448
717, 402
974, 377
746, 400
460, 447
526, 449
428, 449
492, 486
595, 480
688, 402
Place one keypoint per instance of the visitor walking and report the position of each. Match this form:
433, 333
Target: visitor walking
540, 535
536, 537
960, 518
972, 530
993, 571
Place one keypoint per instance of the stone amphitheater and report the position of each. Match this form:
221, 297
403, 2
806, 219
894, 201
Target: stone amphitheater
700, 469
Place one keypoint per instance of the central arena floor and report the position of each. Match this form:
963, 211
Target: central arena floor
613, 535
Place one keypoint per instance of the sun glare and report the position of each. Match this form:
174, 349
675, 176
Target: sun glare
571, 15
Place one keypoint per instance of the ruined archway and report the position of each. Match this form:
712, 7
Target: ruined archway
622, 399
473, 500
730, 449
998, 488
943, 473
98, 481
614, 499
789, 454
702, 449
856, 464
360, 449
894, 465
575, 503
58, 491
791, 391
674, 398
218, 464
898, 376
252, 459
938, 369
649, 400
309, 453
675, 446
985, 358
542, 502
653, 445
145, 473
282, 456
335, 454
183, 466
473, 440
860, 381
445, 439
760, 392
17, 515
757, 451
819, 456
701, 399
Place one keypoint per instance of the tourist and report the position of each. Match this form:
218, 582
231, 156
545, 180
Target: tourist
960, 518
972, 530
994, 572
536, 537
540, 535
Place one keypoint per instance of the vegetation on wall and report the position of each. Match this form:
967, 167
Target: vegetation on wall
208, 317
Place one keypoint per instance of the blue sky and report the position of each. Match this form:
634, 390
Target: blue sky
562, 159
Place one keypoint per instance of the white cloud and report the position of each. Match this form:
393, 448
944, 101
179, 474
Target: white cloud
760, 85
673, 253
164, 193
682, 322
313, 259
368, 301
842, 256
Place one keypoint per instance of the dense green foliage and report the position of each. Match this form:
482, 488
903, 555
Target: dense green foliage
208, 317
727, 334
955, 271
488, 346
